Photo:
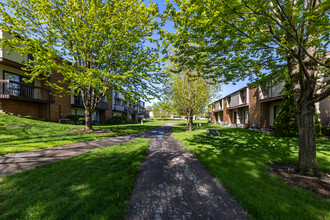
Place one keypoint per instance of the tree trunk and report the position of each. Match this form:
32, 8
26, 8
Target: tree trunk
307, 144
88, 120
190, 122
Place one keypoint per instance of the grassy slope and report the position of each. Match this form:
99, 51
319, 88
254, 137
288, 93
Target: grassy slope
239, 158
95, 185
21, 134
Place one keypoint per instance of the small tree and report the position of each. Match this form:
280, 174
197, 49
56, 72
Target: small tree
189, 94
96, 45
286, 121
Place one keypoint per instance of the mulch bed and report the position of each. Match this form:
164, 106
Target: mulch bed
316, 184
93, 131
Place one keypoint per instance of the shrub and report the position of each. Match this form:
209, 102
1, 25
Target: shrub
286, 121
117, 120
76, 118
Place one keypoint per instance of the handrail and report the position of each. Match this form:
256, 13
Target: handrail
17, 90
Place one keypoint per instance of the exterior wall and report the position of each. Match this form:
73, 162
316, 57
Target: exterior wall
61, 107
247, 95
254, 106
323, 109
24, 108
13, 56
265, 115
271, 112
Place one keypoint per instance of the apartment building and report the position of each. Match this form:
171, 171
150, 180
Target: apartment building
132, 110
37, 100
257, 107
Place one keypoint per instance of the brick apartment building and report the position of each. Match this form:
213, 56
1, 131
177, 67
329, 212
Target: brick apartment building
35, 99
257, 106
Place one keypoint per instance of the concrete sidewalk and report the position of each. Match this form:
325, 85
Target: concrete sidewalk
12, 163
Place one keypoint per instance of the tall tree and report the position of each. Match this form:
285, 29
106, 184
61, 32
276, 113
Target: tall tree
190, 95
264, 40
96, 45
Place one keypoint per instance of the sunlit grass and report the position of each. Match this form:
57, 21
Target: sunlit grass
21, 134
95, 185
239, 158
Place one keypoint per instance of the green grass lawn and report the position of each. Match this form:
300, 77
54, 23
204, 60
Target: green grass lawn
21, 134
239, 158
179, 120
94, 185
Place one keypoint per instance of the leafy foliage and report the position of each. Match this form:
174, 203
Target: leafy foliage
117, 120
162, 109
286, 121
264, 40
190, 95
95, 45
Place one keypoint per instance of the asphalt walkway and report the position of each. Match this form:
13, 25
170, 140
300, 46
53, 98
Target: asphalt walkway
173, 184
12, 163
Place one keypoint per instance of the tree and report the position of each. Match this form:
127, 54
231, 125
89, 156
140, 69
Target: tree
190, 95
96, 45
286, 121
162, 109
264, 40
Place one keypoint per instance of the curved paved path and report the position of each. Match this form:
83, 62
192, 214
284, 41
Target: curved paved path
12, 163
173, 184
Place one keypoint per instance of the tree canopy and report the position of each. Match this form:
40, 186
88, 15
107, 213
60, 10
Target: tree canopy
95, 45
263, 40
190, 95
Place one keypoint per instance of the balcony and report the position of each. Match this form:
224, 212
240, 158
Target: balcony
24, 92
78, 102
119, 108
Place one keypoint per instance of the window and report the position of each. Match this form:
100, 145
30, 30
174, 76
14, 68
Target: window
228, 101
246, 116
243, 96
276, 110
17, 86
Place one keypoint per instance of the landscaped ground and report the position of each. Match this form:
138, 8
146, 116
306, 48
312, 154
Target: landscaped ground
95, 185
21, 134
239, 158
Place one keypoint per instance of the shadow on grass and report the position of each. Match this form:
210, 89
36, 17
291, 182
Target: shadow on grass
92, 186
239, 158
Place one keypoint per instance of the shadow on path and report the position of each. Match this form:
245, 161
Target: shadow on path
173, 184
12, 163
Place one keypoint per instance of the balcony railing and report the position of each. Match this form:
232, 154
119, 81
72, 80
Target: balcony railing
119, 108
78, 102
26, 92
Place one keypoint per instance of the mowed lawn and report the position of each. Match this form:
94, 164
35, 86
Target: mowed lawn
20, 134
239, 158
94, 185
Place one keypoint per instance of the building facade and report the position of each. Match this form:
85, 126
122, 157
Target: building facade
257, 107
132, 110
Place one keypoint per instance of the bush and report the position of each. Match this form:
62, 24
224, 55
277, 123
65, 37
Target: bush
117, 120
76, 118
286, 121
